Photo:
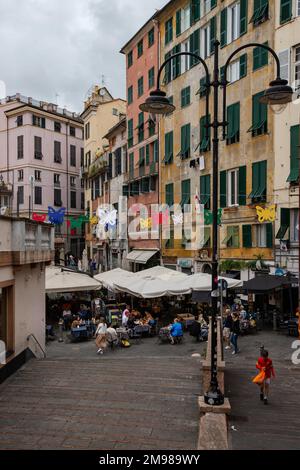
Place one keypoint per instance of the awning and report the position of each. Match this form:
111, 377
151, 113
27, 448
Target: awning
64, 280
109, 278
264, 283
141, 257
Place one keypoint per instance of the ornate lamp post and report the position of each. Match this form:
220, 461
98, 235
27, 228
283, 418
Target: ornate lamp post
279, 93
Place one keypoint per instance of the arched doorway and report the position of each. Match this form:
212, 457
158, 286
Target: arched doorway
206, 269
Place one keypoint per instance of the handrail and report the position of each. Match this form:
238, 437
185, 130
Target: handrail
33, 336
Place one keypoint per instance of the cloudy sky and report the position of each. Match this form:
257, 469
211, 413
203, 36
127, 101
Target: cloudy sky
63, 47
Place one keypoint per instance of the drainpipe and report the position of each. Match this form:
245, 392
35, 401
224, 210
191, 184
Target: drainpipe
67, 156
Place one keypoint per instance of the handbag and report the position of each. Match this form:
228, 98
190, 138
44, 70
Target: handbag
259, 379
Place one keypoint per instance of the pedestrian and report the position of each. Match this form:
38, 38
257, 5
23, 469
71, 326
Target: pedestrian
265, 364
176, 331
227, 328
125, 316
235, 331
101, 342
298, 316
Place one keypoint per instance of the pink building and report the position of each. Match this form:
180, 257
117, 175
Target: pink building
142, 182
41, 153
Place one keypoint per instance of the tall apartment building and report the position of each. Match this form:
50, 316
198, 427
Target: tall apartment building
287, 139
142, 180
41, 148
101, 113
247, 155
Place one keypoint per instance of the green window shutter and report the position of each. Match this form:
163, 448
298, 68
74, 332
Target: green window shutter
233, 118
247, 236
260, 57
195, 46
256, 58
213, 4
131, 164
269, 228
178, 23
243, 16
170, 195
223, 189
205, 191
213, 31
185, 97
285, 222
185, 193
222, 73
243, 66
130, 95
130, 133
168, 69
205, 134
223, 27
176, 63
169, 31
185, 141
147, 154
156, 151
286, 10
259, 116
242, 186
195, 11
259, 181
168, 148
295, 154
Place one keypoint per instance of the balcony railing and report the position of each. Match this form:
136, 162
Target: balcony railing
99, 166
141, 172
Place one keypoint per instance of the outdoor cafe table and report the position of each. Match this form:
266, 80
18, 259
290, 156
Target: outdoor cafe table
82, 332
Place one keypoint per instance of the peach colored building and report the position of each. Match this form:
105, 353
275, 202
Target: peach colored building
141, 184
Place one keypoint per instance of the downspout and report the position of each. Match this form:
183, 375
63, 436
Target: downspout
67, 155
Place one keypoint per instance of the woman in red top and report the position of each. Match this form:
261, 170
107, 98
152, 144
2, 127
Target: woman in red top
265, 364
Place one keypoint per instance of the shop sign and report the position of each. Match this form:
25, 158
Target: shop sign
185, 263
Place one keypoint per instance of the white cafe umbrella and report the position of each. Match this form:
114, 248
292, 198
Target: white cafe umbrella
109, 278
61, 280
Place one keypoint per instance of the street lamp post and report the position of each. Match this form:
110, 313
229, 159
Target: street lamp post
158, 103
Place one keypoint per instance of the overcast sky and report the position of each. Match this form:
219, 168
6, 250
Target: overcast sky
63, 47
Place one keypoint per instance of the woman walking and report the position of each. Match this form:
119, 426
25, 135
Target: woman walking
101, 342
227, 328
265, 365
235, 331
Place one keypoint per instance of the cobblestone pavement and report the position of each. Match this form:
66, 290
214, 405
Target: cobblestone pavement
141, 398
252, 424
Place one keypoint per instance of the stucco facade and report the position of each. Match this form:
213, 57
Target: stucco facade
41, 150
248, 79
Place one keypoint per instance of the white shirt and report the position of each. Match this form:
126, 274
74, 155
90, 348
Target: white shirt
102, 328
125, 317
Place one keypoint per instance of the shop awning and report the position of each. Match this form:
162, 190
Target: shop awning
63, 280
141, 257
265, 283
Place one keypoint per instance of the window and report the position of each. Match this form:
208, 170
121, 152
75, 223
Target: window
130, 133
72, 155
82, 157
185, 193
176, 63
263, 236
115, 112
73, 181
247, 236
204, 87
57, 126
20, 195
141, 127
205, 191
233, 22
20, 121
183, 20
260, 12
260, 57
20, 147
169, 143
233, 128
38, 175
38, 121
185, 151
72, 131
118, 162
82, 201
38, 195
285, 222
20, 175
168, 69
156, 151
294, 155
57, 152
152, 126
297, 67
195, 11
88, 159
151, 37
185, 96
233, 18
236, 70
38, 148
151, 77
185, 60
140, 87
130, 95
205, 41
82, 183
169, 31
205, 134
131, 165
232, 188
170, 195
129, 59
140, 48
87, 131
259, 182
259, 116
232, 239
57, 198
73, 199
56, 179
294, 227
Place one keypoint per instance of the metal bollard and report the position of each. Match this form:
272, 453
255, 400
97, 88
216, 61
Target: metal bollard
60, 331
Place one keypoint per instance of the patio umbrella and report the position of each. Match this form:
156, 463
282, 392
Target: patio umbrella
110, 278
61, 280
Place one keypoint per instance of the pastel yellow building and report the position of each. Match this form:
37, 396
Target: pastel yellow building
101, 113
247, 155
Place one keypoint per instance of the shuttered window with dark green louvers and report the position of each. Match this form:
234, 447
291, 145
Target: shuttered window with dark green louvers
213, 32
176, 62
185, 193
233, 129
223, 27
205, 134
223, 189
259, 181
269, 228
243, 66
259, 116
295, 155
285, 221
242, 196
195, 11
286, 10
178, 23
168, 148
205, 191
247, 236
195, 47
243, 16
170, 195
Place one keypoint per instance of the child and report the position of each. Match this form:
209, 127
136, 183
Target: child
265, 364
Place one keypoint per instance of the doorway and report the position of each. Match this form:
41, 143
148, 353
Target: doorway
6, 318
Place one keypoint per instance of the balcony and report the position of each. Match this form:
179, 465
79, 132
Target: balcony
99, 166
24, 241
142, 172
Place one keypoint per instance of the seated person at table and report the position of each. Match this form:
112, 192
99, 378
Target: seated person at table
76, 323
149, 320
131, 323
111, 335
176, 331
67, 317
